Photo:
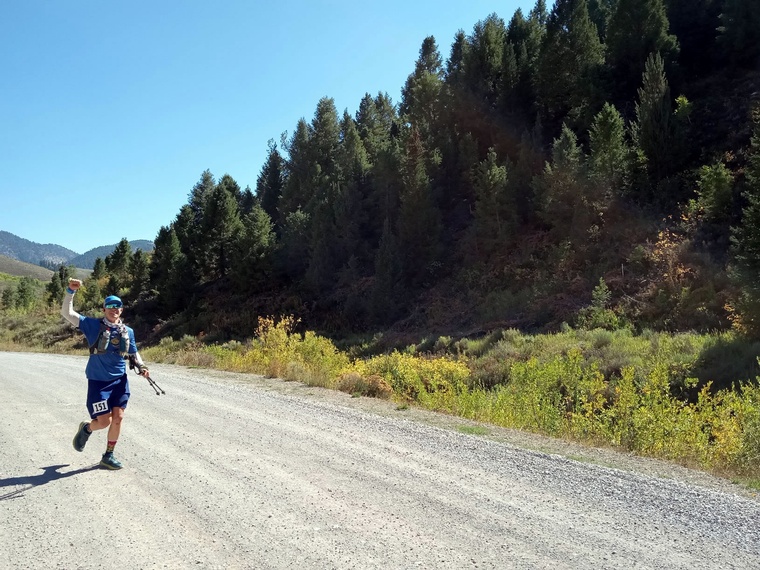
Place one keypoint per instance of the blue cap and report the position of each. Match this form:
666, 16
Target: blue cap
113, 300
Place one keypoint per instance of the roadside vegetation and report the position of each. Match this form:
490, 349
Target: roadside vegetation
641, 394
652, 394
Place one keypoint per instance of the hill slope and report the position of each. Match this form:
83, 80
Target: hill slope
22, 269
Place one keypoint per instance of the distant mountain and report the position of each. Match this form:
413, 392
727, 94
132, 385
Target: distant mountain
52, 255
87, 260
24, 250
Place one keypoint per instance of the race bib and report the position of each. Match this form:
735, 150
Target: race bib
101, 406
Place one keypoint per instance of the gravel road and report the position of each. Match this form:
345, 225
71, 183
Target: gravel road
236, 471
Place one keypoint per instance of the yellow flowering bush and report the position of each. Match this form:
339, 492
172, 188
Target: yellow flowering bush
430, 381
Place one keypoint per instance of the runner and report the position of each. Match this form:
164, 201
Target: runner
110, 342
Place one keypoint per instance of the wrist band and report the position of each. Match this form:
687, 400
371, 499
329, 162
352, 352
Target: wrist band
70, 291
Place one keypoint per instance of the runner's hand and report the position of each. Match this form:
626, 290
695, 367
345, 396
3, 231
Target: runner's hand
74, 284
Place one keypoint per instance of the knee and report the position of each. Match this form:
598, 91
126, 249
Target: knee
118, 416
102, 421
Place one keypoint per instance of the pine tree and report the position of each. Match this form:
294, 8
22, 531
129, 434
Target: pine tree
714, 193
247, 201
374, 120
58, 282
654, 129
609, 152
353, 210
298, 188
98, 268
232, 187
189, 223
637, 29
536, 28
455, 65
199, 194
419, 218
510, 79
9, 297
454, 182
323, 146
484, 60
114, 285
377, 122
54, 289
325, 255
517, 29
270, 181
530, 163
421, 103
563, 191
293, 256
93, 296
139, 270
324, 243
495, 214
571, 58
526, 37
474, 85
353, 158
600, 12
745, 239
386, 295
166, 251
253, 257
184, 227
117, 262
169, 271
24, 298
221, 228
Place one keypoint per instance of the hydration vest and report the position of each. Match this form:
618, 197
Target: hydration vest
116, 335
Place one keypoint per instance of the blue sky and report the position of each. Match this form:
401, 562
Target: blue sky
111, 111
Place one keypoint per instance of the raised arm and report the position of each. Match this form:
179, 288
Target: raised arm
67, 307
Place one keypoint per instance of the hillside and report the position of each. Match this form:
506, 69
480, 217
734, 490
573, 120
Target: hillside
547, 176
16, 268
22, 269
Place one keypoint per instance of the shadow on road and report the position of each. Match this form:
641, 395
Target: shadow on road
49, 474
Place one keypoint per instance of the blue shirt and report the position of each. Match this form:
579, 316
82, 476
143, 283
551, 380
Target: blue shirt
109, 365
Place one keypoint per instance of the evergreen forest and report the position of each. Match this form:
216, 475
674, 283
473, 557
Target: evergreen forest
592, 164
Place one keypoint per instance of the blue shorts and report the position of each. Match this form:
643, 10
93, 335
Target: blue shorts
102, 397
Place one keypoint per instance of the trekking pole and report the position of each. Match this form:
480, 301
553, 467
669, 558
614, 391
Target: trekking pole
155, 386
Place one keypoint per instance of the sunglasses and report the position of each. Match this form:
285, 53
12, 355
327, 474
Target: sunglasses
113, 306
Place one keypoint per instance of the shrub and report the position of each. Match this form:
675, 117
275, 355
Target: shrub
373, 386
424, 380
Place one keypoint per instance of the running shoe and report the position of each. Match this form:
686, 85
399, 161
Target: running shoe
81, 437
109, 461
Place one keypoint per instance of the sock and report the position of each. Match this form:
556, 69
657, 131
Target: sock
111, 445
87, 428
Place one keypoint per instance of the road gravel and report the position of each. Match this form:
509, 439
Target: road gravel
236, 471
